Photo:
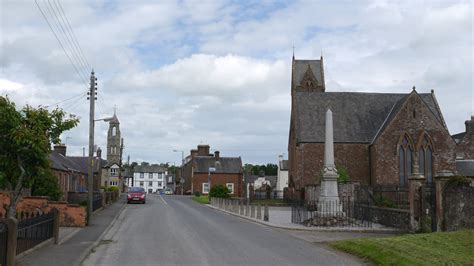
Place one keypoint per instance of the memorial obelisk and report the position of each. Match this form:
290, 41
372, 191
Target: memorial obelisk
329, 204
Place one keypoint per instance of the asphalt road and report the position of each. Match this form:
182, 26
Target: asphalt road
174, 230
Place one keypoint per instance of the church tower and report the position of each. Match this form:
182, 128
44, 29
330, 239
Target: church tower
307, 75
113, 141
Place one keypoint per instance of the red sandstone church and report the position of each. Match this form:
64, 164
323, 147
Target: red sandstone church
377, 136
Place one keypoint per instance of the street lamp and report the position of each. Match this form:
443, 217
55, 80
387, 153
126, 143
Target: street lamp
181, 180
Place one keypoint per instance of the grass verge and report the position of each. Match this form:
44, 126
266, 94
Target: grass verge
443, 248
203, 199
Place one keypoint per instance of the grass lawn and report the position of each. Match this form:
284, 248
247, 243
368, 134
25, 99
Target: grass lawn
447, 248
270, 202
201, 199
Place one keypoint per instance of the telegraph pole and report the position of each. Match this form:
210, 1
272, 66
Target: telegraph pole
90, 178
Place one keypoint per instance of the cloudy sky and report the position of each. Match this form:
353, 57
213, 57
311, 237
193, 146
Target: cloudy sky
183, 73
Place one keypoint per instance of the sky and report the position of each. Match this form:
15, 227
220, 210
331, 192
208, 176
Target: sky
183, 73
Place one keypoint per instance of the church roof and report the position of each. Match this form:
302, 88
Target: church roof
301, 66
228, 165
357, 116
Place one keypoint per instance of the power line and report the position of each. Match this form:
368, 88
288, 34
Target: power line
59, 41
74, 37
68, 99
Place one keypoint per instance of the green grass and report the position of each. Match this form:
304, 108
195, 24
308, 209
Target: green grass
452, 248
270, 202
201, 199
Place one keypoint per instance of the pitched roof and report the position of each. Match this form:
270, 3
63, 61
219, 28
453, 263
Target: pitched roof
301, 66
149, 169
465, 167
228, 165
357, 116
63, 163
82, 162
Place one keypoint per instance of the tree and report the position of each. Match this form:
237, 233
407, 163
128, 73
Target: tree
25, 144
219, 191
46, 184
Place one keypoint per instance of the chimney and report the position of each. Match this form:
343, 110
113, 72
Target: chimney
470, 126
203, 150
60, 148
217, 155
194, 152
99, 153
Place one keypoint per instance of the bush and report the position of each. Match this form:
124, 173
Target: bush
46, 184
219, 191
197, 193
343, 174
112, 189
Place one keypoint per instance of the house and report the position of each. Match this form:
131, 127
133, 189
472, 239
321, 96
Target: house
200, 166
379, 138
149, 177
465, 142
71, 177
282, 175
82, 162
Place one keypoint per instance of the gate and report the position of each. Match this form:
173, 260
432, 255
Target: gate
428, 208
3, 243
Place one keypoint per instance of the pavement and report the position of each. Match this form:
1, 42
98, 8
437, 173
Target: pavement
280, 217
175, 230
74, 243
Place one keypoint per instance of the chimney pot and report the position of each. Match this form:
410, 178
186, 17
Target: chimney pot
217, 155
60, 148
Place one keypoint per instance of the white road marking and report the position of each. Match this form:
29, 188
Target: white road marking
166, 203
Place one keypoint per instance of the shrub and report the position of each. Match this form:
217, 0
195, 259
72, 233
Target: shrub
219, 191
343, 174
112, 189
197, 193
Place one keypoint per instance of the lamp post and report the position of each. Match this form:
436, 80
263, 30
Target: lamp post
181, 180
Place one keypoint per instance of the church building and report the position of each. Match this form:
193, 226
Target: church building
111, 171
379, 138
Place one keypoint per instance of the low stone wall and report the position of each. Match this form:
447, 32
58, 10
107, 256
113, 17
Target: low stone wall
458, 206
70, 215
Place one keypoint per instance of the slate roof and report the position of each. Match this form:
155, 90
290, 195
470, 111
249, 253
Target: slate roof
63, 163
82, 162
228, 165
149, 169
458, 137
465, 167
357, 116
301, 66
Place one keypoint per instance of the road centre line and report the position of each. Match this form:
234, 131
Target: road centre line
166, 203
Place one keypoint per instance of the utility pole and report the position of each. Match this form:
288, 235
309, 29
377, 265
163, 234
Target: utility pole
90, 177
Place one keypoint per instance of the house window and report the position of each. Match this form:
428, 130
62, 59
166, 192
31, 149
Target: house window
142, 175
150, 183
160, 184
230, 187
150, 175
113, 171
425, 159
141, 184
405, 155
205, 188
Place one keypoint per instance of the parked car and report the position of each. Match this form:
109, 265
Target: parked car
136, 194
168, 191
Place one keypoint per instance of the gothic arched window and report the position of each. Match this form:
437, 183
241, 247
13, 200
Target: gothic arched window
405, 160
114, 131
425, 158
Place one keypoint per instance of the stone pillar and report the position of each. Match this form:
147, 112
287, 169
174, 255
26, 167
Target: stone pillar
329, 204
415, 182
259, 212
252, 211
440, 180
56, 226
266, 213
247, 209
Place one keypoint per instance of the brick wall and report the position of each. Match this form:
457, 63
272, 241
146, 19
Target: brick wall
414, 119
70, 215
219, 179
308, 162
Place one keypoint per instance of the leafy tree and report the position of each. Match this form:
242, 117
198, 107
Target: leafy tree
268, 169
343, 174
219, 191
25, 143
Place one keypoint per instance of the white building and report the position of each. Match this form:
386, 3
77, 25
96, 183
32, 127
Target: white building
282, 175
149, 177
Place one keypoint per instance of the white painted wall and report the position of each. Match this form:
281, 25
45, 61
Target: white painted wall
150, 181
282, 176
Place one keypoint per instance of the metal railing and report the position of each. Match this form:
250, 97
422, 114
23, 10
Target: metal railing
32, 231
96, 202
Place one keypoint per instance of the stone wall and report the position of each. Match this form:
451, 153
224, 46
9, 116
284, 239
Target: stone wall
458, 205
70, 215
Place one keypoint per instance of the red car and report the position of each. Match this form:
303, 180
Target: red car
136, 194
